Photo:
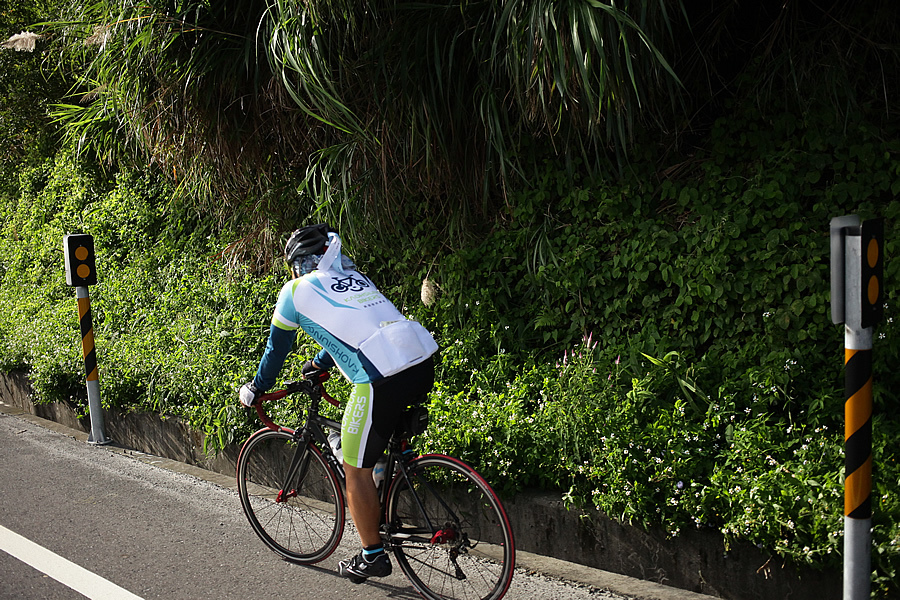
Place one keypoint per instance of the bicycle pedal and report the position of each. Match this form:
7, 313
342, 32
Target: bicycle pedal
357, 579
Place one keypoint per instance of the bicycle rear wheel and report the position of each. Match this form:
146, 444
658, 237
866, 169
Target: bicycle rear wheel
449, 531
291, 497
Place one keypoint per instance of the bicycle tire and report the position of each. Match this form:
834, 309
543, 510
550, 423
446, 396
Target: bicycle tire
304, 524
464, 547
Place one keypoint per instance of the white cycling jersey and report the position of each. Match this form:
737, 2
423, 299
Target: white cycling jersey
364, 333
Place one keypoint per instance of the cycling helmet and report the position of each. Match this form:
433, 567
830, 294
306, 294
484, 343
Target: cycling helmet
306, 241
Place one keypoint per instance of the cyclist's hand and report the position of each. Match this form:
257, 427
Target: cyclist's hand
309, 370
249, 394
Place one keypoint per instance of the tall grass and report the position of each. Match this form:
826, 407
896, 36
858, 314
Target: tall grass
268, 112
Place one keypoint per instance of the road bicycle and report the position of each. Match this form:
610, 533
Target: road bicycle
445, 526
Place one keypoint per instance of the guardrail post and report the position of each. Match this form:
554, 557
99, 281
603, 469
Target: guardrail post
80, 273
857, 259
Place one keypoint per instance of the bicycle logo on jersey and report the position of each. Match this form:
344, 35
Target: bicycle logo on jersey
349, 284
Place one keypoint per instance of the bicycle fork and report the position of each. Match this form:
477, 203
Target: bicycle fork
297, 469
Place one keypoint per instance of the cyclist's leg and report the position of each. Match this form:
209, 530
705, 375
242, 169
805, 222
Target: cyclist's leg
362, 447
369, 421
359, 440
362, 499
373, 411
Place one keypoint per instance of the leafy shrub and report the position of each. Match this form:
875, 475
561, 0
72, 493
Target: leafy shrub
173, 329
721, 277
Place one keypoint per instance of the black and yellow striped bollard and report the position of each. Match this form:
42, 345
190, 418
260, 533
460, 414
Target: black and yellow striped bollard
857, 300
80, 273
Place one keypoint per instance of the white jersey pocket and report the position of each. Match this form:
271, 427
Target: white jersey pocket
397, 346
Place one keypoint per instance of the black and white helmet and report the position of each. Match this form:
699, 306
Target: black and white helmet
305, 241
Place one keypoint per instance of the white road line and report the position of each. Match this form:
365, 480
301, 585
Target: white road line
66, 572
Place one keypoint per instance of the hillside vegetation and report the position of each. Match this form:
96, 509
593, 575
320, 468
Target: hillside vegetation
632, 305
659, 348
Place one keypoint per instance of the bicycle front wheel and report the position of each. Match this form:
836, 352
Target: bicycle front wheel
291, 497
449, 532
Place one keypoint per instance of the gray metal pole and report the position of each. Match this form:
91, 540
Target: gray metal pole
97, 435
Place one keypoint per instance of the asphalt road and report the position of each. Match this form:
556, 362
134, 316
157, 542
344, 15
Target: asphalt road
157, 533
112, 523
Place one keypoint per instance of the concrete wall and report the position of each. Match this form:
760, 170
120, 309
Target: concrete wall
695, 560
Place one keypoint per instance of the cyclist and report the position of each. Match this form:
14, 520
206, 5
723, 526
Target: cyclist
386, 357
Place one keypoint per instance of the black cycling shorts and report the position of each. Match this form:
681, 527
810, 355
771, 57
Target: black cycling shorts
374, 410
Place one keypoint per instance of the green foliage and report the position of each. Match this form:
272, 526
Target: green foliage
26, 88
173, 329
710, 392
656, 347
268, 111
184, 87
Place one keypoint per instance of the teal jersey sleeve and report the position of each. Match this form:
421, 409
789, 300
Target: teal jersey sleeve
324, 360
277, 348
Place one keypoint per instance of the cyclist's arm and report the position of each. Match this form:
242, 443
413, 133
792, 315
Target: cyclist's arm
277, 348
281, 339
